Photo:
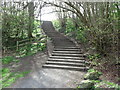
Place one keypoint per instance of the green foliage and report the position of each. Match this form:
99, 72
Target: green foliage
37, 32
94, 59
78, 87
94, 56
32, 49
107, 84
93, 74
9, 59
56, 24
96, 81
86, 84
19, 26
70, 27
99, 31
72, 31
103, 41
9, 77
93, 70
15, 25
81, 35
98, 84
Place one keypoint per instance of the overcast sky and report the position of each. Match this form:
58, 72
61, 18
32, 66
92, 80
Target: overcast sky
47, 15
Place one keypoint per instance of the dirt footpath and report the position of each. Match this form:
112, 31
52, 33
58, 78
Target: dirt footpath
46, 78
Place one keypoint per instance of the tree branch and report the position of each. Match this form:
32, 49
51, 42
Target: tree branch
78, 12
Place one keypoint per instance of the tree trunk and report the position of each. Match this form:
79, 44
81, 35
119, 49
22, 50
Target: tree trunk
31, 19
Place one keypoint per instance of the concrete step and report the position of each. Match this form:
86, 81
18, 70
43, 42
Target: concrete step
61, 39
66, 49
66, 63
62, 42
71, 55
63, 57
65, 67
66, 60
68, 52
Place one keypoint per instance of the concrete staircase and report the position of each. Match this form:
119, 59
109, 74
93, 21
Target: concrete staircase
66, 55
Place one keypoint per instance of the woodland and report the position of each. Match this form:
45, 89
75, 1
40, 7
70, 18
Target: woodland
94, 25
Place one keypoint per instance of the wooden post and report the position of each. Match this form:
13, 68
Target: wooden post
46, 42
37, 41
17, 45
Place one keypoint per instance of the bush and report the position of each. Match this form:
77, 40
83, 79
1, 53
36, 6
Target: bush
107, 84
86, 84
93, 74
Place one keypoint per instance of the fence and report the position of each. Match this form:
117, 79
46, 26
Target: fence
36, 42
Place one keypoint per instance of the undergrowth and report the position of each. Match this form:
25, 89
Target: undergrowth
9, 77
30, 50
99, 84
8, 59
